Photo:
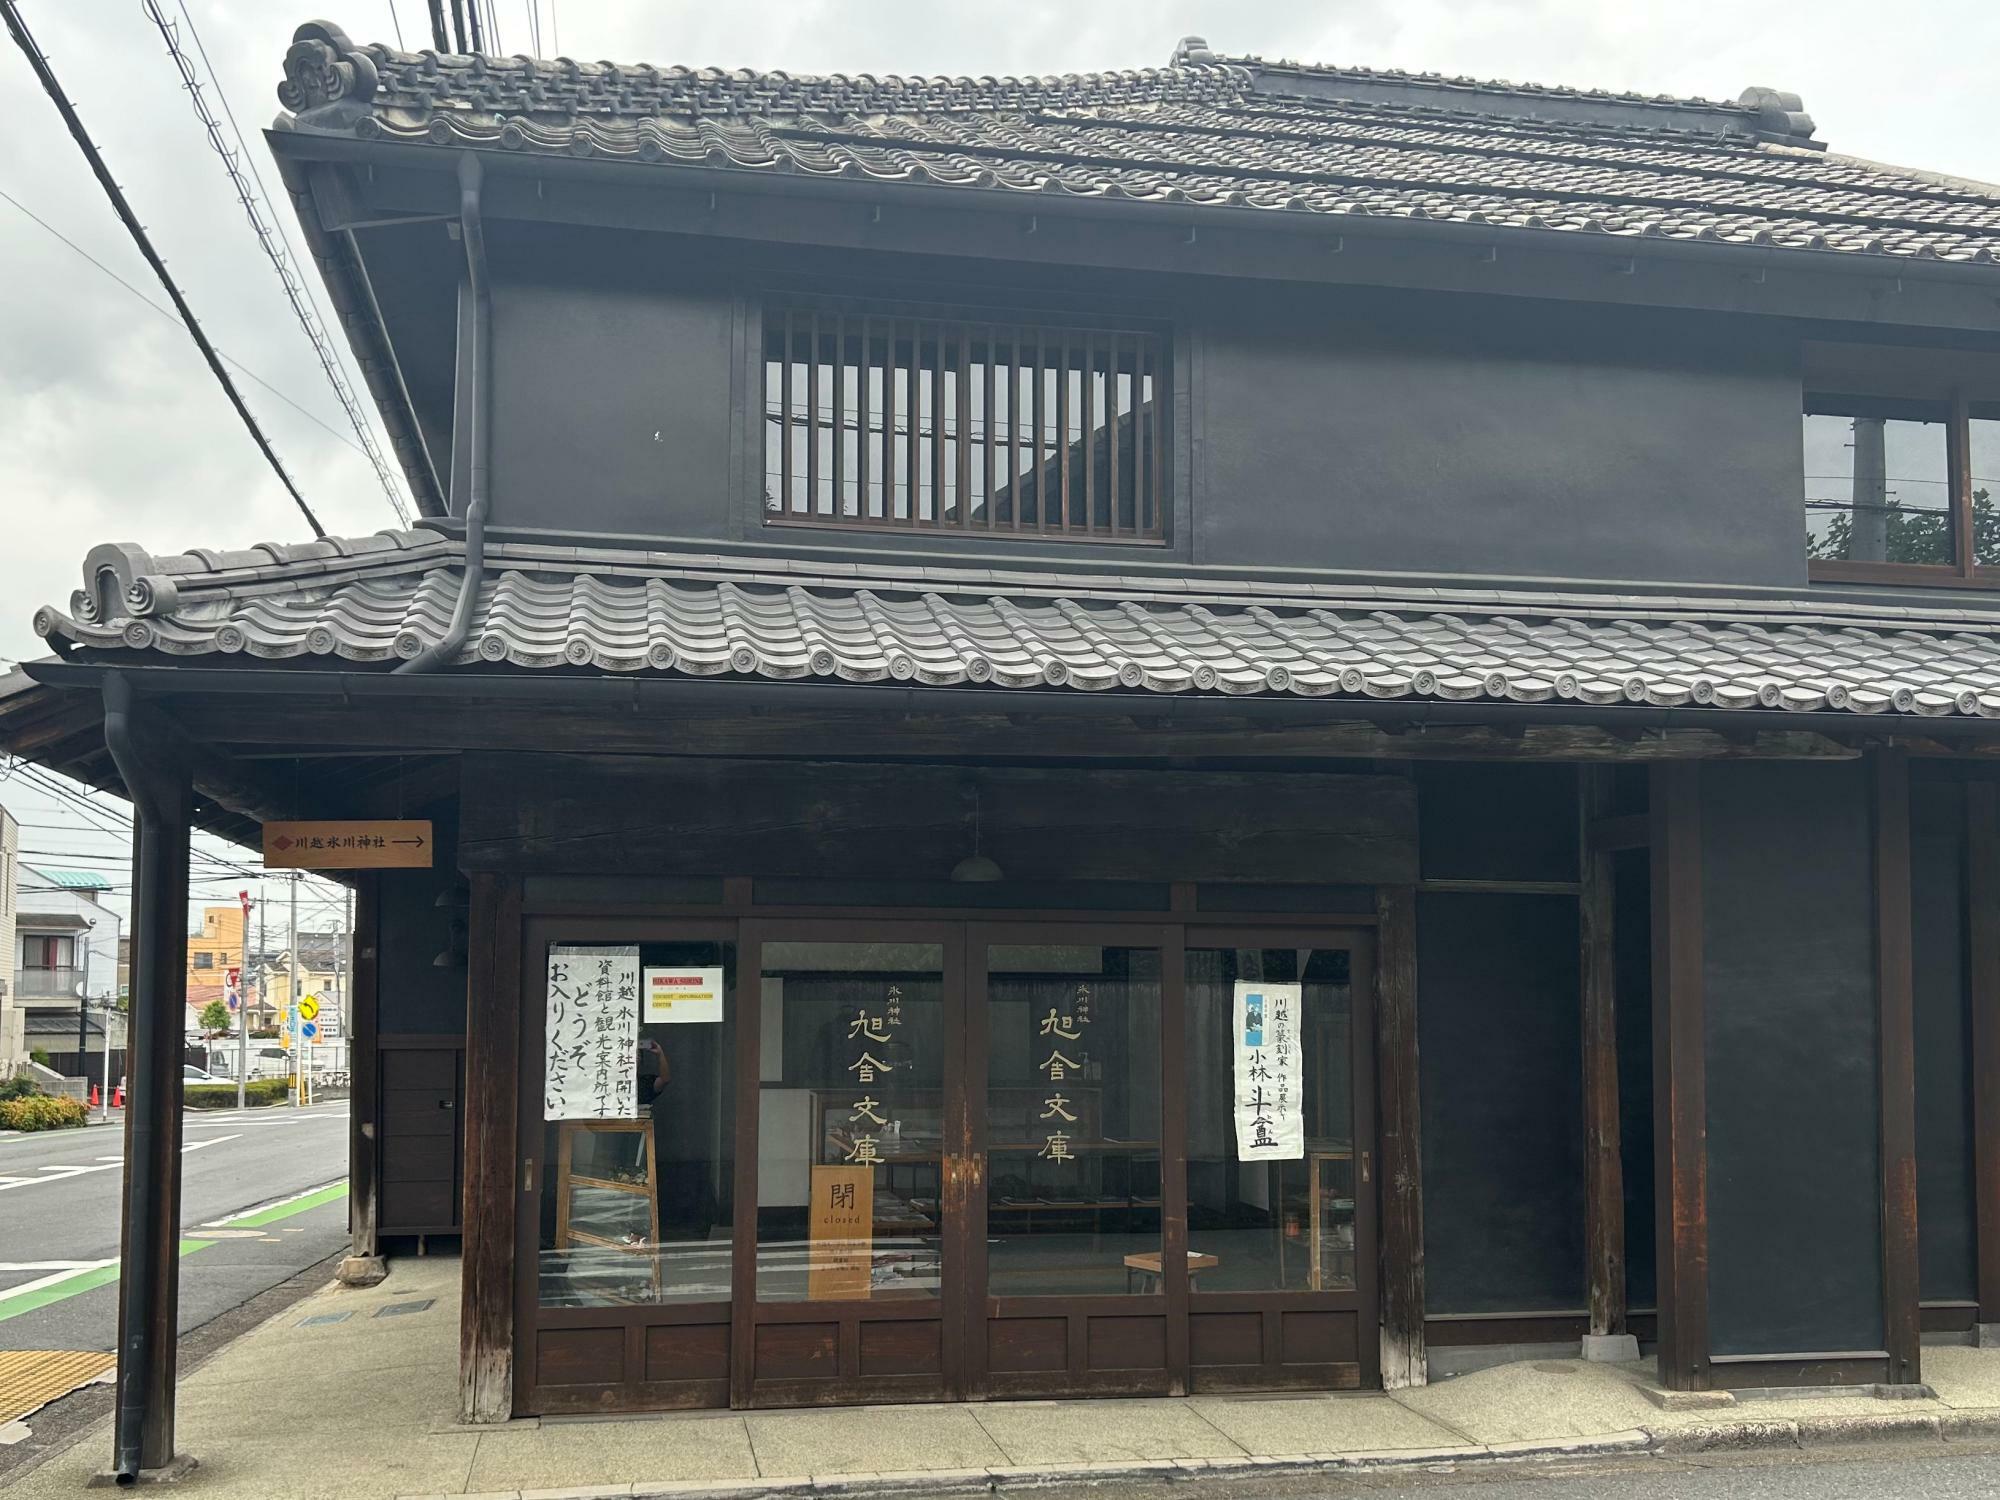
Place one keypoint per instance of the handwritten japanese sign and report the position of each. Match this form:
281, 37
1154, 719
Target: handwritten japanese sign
591, 1067
1270, 1122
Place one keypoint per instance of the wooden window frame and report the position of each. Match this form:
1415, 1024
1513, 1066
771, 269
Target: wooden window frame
1964, 571
910, 483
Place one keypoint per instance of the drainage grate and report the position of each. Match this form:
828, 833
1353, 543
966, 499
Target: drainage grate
397, 1309
319, 1319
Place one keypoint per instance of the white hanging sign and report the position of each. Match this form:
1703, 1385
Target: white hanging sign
591, 1067
1270, 1119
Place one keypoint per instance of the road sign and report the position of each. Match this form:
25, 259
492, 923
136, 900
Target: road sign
308, 1010
309, 1030
362, 844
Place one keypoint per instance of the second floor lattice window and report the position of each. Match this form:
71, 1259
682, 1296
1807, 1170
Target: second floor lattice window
933, 425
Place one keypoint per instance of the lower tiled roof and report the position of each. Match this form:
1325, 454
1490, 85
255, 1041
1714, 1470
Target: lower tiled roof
383, 599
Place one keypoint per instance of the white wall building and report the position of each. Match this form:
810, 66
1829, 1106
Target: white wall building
65, 946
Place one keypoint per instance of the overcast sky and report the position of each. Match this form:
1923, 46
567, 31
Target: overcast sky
111, 429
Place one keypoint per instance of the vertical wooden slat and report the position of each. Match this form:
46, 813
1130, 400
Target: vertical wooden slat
787, 502
837, 420
1087, 424
962, 449
748, 1001
1982, 902
963, 1193
1111, 427
1014, 428
1161, 396
1958, 458
913, 419
1680, 1090
1063, 405
937, 425
1142, 438
987, 368
363, 1266
1895, 992
1603, 1169
1041, 415
863, 373
812, 414
492, 1144
1399, 1165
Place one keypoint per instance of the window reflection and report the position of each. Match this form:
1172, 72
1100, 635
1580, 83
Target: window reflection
1073, 1120
640, 1210
1270, 1225
1877, 484
1983, 433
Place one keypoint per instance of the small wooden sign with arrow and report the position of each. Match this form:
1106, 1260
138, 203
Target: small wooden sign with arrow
369, 844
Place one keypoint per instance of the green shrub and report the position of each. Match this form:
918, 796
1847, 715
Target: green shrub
19, 1088
223, 1095
41, 1112
39, 1055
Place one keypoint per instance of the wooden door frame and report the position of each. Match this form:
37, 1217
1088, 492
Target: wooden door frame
537, 932
748, 1313
1358, 941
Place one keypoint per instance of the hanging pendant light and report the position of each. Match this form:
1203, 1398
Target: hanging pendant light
975, 868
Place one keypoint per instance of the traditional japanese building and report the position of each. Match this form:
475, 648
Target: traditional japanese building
1232, 726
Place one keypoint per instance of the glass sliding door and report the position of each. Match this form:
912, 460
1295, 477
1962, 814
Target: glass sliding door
1279, 1152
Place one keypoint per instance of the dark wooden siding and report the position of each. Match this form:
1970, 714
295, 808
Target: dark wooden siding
1946, 1240
1794, 1151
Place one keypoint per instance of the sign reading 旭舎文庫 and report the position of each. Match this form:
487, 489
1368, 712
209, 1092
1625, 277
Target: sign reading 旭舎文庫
1270, 1122
591, 1061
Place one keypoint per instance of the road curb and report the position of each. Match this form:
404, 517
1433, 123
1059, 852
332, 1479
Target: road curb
1742, 1435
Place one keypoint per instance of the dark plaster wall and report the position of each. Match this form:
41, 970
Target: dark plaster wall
1946, 1228
1500, 1050
1489, 437
1794, 1156
418, 996
1314, 428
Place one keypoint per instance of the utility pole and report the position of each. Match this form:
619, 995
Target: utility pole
83, 1010
298, 1035
243, 1009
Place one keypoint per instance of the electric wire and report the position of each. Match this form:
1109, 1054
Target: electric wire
45, 75
256, 206
168, 314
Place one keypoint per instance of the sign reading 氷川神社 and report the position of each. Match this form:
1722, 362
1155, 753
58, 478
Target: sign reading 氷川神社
352, 844
591, 1067
1270, 1120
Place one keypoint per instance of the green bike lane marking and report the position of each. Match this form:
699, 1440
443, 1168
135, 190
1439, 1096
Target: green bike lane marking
14, 1305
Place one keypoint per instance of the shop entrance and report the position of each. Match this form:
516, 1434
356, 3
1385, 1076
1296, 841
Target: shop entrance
908, 1160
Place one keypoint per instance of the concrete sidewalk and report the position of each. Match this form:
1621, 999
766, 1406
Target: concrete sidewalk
353, 1393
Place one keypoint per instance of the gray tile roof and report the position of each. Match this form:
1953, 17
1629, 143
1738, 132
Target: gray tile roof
381, 599
1204, 132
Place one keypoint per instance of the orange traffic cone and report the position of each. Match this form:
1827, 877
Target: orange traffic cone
118, 1097
93, 1096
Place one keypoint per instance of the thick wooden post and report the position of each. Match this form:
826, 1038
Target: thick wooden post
1982, 896
1401, 1168
364, 1265
492, 1086
1896, 1055
1680, 1098
1603, 1167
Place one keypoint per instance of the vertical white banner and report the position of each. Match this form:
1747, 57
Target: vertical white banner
1270, 1118
591, 1061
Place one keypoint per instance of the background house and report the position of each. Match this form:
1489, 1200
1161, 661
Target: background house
65, 948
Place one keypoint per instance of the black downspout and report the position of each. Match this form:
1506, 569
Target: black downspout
478, 427
149, 1260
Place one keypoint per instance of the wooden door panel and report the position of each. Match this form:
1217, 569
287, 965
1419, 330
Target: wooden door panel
797, 1351
688, 1351
901, 1347
1126, 1343
580, 1356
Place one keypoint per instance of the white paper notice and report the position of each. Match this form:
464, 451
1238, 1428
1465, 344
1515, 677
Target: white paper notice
591, 1071
1270, 1119
683, 995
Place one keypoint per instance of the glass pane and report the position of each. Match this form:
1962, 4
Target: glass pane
1269, 1078
1877, 489
850, 1121
1985, 445
639, 1210
1073, 1120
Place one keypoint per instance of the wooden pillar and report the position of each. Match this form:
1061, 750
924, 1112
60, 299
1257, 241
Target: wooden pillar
364, 1265
1680, 1102
1982, 813
1603, 1166
1401, 1170
1896, 1056
492, 1087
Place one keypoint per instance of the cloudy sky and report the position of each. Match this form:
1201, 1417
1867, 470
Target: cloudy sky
111, 429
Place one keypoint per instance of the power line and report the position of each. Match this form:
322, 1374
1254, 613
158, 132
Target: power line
168, 314
45, 75
256, 202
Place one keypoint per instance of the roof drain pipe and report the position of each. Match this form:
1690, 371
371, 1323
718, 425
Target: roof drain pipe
478, 425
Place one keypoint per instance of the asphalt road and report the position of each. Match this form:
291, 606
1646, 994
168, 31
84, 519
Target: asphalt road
59, 1219
1916, 1471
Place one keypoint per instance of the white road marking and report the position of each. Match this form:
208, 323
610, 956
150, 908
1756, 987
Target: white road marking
51, 1280
63, 1173
48, 1265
